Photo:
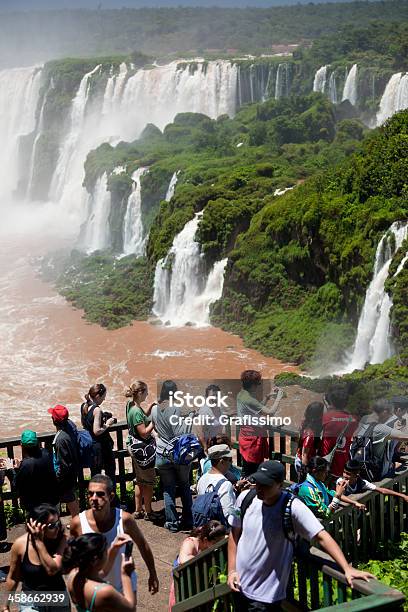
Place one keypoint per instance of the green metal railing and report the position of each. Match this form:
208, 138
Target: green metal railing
315, 584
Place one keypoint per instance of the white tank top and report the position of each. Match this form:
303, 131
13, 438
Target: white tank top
114, 576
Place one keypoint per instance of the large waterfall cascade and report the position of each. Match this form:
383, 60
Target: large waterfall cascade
394, 98
19, 91
373, 343
350, 86
133, 232
62, 177
183, 292
130, 99
97, 231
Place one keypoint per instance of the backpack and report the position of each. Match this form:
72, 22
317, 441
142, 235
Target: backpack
362, 450
287, 523
183, 449
207, 507
295, 487
84, 444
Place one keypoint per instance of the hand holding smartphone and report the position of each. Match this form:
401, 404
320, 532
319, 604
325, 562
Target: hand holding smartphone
128, 550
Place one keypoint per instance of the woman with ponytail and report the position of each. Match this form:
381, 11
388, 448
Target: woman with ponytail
142, 448
97, 422
85, 558
36, 560
200, 539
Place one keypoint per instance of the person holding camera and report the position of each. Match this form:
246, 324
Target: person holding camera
85, 558
97, 422
142, 448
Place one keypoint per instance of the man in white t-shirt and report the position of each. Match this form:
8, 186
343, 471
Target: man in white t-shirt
260, 554
221, 458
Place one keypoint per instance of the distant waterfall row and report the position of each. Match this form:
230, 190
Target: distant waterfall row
394, 97
327, 82
373, 342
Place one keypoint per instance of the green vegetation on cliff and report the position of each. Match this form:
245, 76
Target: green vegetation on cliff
112, 292
297, 277
299, 264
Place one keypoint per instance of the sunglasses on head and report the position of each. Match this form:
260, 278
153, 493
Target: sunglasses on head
102, 389
100, 494
54, 525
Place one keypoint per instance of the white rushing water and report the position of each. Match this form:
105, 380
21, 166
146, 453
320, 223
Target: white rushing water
373, 344
133, 232
394, 98
19, 90
97, 232
333, 88
319, 82
131, 99
183, 292
282, 84
64, 180
350, 86
172, 186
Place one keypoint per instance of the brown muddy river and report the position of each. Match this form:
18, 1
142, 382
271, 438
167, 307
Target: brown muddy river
49, 354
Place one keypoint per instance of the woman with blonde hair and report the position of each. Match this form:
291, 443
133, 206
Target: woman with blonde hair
142, 448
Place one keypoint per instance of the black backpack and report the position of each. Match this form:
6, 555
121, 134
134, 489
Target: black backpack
362, 450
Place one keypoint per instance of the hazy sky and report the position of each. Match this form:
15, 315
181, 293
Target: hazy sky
93, 4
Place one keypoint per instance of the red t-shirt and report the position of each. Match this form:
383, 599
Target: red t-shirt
334, 422
307, 440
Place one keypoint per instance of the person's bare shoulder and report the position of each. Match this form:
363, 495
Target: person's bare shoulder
75, 526
20, 543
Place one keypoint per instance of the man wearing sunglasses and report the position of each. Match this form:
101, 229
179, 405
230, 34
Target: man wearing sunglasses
118, 527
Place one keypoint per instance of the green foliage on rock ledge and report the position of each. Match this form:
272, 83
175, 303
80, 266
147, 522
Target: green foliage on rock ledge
112, 292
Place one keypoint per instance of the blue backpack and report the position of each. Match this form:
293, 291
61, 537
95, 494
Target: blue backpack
207, 507
184, 449
84, 443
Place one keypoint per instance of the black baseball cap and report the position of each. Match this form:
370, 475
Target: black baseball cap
269, 472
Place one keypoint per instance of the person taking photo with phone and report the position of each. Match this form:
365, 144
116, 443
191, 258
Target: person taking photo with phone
85, 558
114, 523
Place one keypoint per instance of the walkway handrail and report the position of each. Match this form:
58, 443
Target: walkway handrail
386, 519
319, 585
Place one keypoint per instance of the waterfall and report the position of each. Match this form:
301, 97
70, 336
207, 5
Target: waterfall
68, 154
120, 110
319, 83
19, 91
97, 230
372, 342
133, 240
350, 86
182, 291
333, 88
282, 85
172, 186
394, 98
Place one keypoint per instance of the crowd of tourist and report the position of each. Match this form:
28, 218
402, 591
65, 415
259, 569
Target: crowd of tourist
338, 456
